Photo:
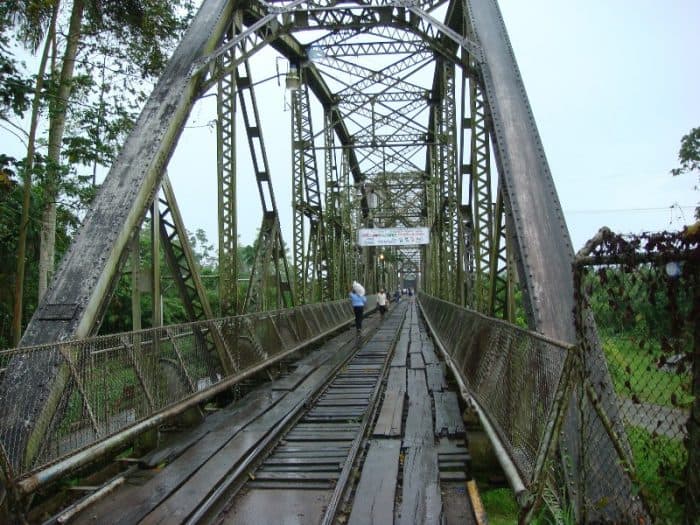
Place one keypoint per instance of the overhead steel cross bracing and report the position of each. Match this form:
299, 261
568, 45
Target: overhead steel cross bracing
401, 195
368, 48
388, 77
338, 232
354, 100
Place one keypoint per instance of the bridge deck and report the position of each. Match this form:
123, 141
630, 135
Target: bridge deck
404, 457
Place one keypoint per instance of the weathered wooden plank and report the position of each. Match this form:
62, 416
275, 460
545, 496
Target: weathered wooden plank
451, 465
143, 498
221, 419
313, 454
375, 494
183, 500
389, 420
168, 487
281, 486
436, 378
462, 456
417, 361
448, 418
292, 380
419, 421
428, 352
338, 402
316, 427
296, 476
453, 475
401, 350
323, 467
421, 502
397, 379
327, 460
336, 436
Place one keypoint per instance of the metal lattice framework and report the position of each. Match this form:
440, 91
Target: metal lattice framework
397, 128
226, 167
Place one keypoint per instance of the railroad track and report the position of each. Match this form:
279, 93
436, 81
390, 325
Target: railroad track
363, 430
312, 462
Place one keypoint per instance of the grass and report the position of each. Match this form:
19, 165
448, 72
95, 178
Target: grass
636, 375
659, 463
500, 505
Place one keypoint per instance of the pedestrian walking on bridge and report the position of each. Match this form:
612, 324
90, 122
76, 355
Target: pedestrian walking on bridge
381, 302
358, 302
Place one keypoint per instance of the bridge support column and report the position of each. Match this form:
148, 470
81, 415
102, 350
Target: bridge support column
226, 176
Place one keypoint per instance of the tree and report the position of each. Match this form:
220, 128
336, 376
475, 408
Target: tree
118, 317
133, 38
27, 172
689, 157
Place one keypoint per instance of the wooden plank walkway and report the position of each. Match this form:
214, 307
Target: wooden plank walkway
377, 487
414, 462
435, 461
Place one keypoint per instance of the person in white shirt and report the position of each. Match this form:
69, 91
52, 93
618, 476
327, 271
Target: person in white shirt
381, 302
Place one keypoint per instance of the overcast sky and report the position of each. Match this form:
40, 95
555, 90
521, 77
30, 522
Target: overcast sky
614, 85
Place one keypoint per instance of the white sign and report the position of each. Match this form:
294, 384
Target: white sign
392, 236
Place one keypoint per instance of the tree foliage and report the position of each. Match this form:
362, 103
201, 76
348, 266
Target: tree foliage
122, 47
15, 89
689, 157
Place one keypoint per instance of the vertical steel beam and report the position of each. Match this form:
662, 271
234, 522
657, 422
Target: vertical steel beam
300, 282
450, 176
316, 278
226, 178
156, 304
501, 272
270, 249
481, 199
333, 225
136, 282
350, 216
446, 223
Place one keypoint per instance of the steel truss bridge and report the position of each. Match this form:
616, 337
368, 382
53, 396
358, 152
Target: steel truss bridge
424, 122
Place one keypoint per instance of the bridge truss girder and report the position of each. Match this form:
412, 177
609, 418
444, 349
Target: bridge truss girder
523, 229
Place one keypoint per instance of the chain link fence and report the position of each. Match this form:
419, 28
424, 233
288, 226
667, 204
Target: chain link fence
519, 379
644, 295
105, 385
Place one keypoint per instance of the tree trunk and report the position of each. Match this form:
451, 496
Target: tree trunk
27, 190
57, 123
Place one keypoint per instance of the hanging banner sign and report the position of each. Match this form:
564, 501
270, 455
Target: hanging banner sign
393, 236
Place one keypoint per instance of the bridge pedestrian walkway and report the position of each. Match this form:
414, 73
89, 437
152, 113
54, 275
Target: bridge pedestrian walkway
282, 453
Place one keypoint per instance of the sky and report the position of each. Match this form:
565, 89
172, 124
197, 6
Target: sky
613, 85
